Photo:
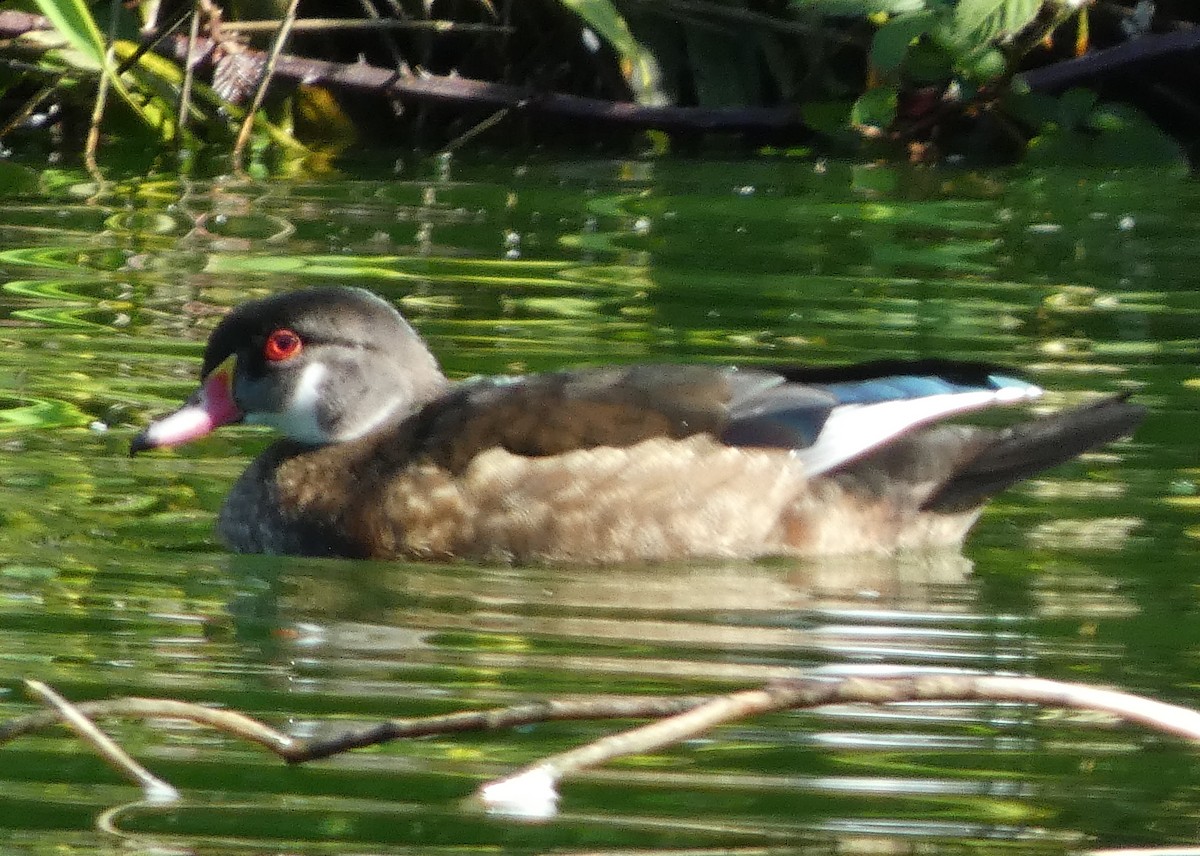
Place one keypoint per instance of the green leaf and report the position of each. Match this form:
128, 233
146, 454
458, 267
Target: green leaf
979, 24
928, 62
859, 8
1111, 118
892, 40
637, 64
72, 19
74, 22
987, 64
875, 109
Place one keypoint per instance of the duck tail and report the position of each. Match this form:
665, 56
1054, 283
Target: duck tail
1026, 449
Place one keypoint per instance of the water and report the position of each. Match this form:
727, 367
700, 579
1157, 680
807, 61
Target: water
111, 583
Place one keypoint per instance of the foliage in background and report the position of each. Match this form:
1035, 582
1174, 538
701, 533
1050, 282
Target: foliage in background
903, 78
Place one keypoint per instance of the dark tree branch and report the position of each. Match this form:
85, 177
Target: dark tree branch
1099, 63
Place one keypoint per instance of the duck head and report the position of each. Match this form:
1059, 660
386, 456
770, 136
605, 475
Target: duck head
323, 365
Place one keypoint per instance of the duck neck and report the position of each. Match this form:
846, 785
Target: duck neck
394, 409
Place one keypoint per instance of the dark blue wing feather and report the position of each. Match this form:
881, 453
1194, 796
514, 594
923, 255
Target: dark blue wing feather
912, 386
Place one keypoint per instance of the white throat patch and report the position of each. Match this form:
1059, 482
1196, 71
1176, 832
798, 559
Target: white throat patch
299, 421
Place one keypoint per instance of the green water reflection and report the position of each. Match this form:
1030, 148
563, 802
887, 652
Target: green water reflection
111, 583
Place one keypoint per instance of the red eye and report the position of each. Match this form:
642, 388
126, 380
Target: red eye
282, 345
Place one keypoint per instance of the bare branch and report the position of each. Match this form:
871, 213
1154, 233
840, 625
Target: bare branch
230, 722
303, 25
154, 789
260, 94
560, 710
532, 791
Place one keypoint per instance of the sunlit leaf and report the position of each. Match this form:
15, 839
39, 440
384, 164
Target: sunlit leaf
73, 20
875, 108
981, 23
321, 121
987, 64
28, 412
29, 573
859, 8
639, 67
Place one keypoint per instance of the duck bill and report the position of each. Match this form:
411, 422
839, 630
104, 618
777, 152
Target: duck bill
210, 407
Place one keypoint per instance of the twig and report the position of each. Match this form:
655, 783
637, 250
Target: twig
27, 108
230, 722
333, 24
388, 39
474, 131
604, 707
281, 37
189, 72
532, 791
294, 751
92, 142
154, 789
462, 91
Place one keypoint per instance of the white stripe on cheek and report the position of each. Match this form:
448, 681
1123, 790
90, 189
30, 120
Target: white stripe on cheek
300, 421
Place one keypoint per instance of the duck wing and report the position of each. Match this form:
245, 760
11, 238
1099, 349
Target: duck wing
826, 416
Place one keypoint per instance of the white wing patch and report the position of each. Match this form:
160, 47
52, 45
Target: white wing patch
852, 430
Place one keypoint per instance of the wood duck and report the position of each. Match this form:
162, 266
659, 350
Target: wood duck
382, 456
